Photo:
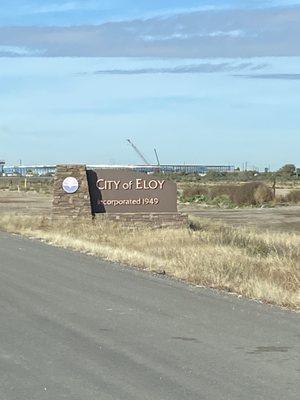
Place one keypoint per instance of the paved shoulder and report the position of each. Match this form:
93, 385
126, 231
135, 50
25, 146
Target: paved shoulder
74, 327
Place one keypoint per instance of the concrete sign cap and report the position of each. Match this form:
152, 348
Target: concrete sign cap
70, 185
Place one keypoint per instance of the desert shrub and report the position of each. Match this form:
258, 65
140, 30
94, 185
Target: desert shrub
280, 199
221, 190
239, 195
222, 201
215, 175
245, 194
263, 194
251, 193
191, 192
200, 199
293, 196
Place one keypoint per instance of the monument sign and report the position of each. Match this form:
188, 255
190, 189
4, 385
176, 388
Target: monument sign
115, 194
126, 191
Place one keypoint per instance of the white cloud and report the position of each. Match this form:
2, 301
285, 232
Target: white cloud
255, 33
19, 51
184, 36
234, 33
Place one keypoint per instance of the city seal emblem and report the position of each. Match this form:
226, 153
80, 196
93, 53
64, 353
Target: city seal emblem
70, 185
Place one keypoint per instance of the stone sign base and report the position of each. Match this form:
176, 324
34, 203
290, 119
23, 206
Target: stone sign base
161, 220
76, 205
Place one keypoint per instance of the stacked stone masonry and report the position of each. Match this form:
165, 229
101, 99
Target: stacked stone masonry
77, 204
173, 220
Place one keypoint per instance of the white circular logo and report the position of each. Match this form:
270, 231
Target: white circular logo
70, 185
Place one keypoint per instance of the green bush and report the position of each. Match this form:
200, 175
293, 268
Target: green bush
191, 192
222, 201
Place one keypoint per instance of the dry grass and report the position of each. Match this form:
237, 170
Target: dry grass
260, 265
293, 197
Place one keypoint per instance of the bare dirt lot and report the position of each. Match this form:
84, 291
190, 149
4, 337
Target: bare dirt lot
27, 203
285, 219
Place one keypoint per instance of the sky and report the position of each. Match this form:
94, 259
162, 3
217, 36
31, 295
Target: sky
206, 82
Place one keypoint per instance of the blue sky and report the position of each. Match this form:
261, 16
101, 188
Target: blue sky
202, 81
79, 12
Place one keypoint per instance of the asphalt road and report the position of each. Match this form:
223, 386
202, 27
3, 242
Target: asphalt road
74, 327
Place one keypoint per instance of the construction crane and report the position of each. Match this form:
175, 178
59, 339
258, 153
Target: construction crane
157, 159
138, 152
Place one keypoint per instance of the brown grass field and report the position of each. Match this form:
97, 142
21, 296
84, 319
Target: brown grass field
256, 264
279, 219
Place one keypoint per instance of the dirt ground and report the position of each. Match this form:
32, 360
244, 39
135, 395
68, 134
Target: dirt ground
28, 203
279, 219
285, 219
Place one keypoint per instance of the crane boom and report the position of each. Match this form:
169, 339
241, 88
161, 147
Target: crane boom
157, 158
138, 152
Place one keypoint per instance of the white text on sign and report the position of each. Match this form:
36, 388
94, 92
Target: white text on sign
138, 184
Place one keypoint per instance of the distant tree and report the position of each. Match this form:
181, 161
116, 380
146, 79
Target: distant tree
287, 169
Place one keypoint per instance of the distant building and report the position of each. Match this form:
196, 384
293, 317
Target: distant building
42, 170
25, 170
185, 169
2, 163
172, 168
